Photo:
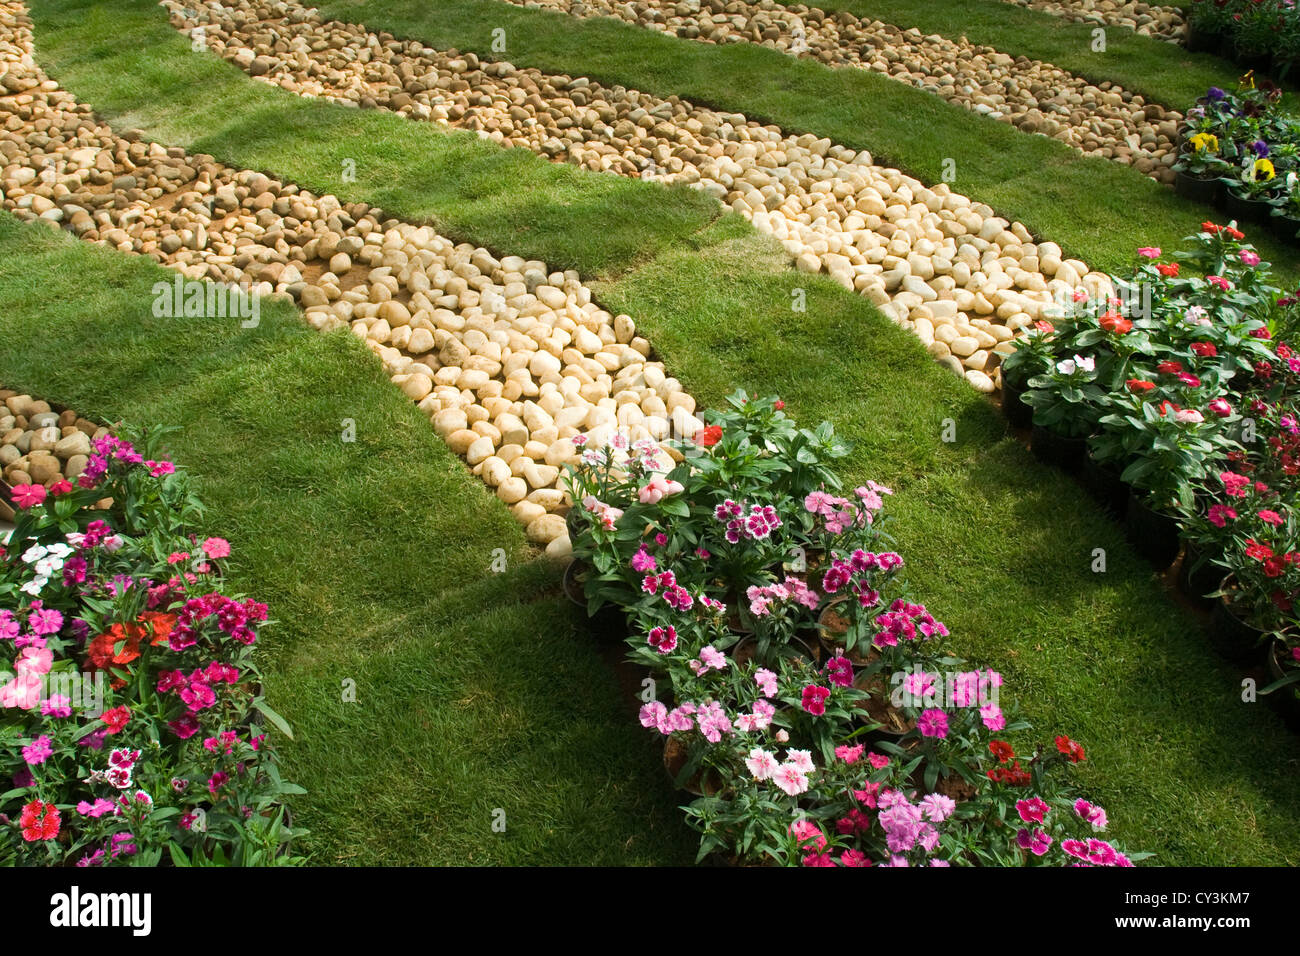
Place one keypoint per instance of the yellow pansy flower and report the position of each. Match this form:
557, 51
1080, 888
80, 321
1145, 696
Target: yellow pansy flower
1265, 167
1203, 142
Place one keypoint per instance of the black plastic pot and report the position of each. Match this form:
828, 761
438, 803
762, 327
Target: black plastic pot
1198, 576
1285, 228
1018, 413
1202, 41
1196, 188
1153, 534
1246, 210
1283, 700
1236, 640
1053, 449
608, 624
1105, 485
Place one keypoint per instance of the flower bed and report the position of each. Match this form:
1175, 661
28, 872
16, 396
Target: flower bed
1182, 393
130, 724
803, 695
1240, 149
1259, 34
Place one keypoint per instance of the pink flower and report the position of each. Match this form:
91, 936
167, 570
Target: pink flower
216, 548
28, 496
663, 639
850, 755
761, 764
1092, 813
1271, 517
854, 858
1188, 416
1248, 258
933, 723
657, 489
801, 760
1218, 514
878, 761
1032, 810
34, 661
1220, 407
653, 714
58, 705
45, 621
993, 717
808, 834
643, 560
790, 779
937, 807
1219, 282
1150, 252
23, 692
38, 751
766, 681
1036, 842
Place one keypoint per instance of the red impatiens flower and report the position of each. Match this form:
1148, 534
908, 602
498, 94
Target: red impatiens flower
1168, 269
1167, 406
1112, 321
778, 405
1170, 367
1071, 749
1136, 385
1205, 349
708, 437
60, 488
1210, 227
1234, 233
1042, 325
39, 821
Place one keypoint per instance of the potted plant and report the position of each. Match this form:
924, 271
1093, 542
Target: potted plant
1200, 168
1035, 353
1207, 23
1065, 400
1261, 558
1250, 196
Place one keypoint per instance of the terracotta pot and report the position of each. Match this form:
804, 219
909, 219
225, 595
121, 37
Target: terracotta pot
1234, 638
1153, 534
607, 625
1053, 449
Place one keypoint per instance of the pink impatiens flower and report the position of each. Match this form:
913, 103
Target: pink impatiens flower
1150, 252
1032, 810
28, 496
658, 489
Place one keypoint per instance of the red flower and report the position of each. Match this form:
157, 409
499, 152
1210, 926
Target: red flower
1260, 552
1234, 233
1167, 406
29, 496
778, 404
1205, 349
1136, 385
103, 650
814, 699
1071, 749
116, 719
1002, 750
1168, 269
708, 437
1112, 321
1209, 227
39, 821
1042, 325
60, 488
1170, 367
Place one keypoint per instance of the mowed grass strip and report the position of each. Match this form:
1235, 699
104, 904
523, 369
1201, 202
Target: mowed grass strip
1166, 73
1098, 210
997, 545
473, 691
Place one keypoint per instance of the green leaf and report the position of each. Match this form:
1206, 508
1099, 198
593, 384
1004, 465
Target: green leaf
276, 720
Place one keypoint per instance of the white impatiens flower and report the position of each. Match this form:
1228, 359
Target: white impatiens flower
1066, 367
1188, 416
1088, 364
35, 553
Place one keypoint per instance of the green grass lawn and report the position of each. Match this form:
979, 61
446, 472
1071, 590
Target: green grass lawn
1161, 72
998, 546
1096, 209
473, 692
